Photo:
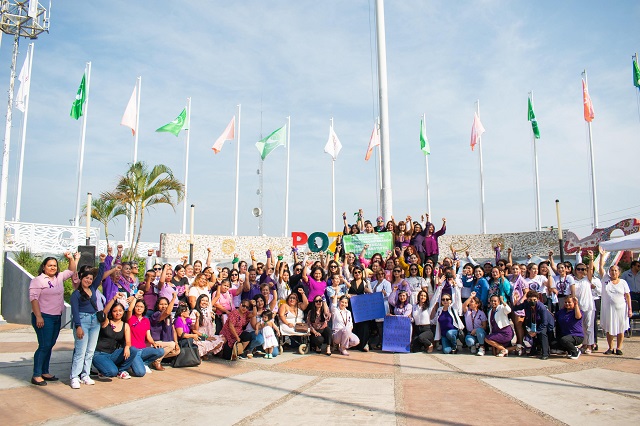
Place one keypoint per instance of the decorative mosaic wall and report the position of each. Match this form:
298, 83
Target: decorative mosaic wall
482, 246
174, 246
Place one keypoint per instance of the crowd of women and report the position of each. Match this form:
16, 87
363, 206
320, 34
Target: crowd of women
124, 327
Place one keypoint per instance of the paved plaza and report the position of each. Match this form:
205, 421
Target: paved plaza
365, 388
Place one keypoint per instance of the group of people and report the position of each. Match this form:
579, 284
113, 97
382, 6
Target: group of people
125, 327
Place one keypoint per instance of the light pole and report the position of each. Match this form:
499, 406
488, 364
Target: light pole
19, 19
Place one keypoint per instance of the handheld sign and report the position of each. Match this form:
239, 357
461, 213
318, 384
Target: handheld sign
367, 307
378, 243
396, 335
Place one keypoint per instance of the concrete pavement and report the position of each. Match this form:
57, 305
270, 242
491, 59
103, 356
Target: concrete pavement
364, 388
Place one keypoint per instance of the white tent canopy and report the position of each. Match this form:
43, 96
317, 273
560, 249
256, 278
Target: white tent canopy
628, 242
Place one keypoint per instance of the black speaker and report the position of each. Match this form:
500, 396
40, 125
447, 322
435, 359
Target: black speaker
87, 256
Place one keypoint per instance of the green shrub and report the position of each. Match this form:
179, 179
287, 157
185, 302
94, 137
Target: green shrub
28, 260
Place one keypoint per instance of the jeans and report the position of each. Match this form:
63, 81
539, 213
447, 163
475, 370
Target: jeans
83, 348
449, 341
471, 340
110, 364
47, 336
150, 354
257, 340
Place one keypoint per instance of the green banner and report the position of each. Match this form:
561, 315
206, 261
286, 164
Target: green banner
378, 243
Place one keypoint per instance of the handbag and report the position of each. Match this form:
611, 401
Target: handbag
301, 327
188, 356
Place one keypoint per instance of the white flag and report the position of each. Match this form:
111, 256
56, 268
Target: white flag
373, 142
130, 113
229, 134
333, 145
477, 129
33, 9
25, 83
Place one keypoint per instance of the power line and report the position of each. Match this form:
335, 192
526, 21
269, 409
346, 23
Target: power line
603, 214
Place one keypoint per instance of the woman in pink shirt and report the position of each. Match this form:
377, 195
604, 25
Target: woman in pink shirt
140, 328
46, 293
317, 284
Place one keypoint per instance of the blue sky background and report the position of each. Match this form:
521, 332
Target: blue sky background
314, 61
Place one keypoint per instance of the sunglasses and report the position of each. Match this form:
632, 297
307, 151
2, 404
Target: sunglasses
157, 269
244, 306
234, 275
318, 301
581, 269
333, 266
357, 272
446, 300
395, 270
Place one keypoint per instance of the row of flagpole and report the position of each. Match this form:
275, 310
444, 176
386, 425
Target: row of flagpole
281, 136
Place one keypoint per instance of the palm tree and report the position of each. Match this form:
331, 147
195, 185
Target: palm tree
141, 188
104, 210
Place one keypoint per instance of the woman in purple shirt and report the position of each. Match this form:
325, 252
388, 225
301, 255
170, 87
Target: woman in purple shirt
431, 241
403, 308
46, 293
162, 330
569, 327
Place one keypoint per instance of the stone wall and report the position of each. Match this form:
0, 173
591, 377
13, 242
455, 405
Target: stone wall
174, 246
481, 246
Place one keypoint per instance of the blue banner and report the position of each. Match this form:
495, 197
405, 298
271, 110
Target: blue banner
396, 335
367, 307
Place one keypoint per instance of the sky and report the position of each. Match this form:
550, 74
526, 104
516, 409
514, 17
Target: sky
314, 61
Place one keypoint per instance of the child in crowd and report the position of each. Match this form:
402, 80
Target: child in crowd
269, 331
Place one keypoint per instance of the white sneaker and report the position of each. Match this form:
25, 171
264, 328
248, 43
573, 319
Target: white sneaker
75, 383
480, 351
123, 375
147, 369
86, 380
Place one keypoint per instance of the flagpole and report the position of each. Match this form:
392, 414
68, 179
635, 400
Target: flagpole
634, 58
385, 154
24, 134
333, 186
286, 193
4, 182
426, 163
235, 212
186, 168
482, 215
535, 166
593, 166
76, 221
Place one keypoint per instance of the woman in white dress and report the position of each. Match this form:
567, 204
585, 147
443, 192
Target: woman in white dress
616, 305
292, 313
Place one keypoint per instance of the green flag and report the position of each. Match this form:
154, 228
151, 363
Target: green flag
176, 125
424, 142
534, 123
271, 142
81, 97
636, 73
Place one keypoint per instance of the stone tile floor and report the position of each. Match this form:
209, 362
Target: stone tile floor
375, 388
